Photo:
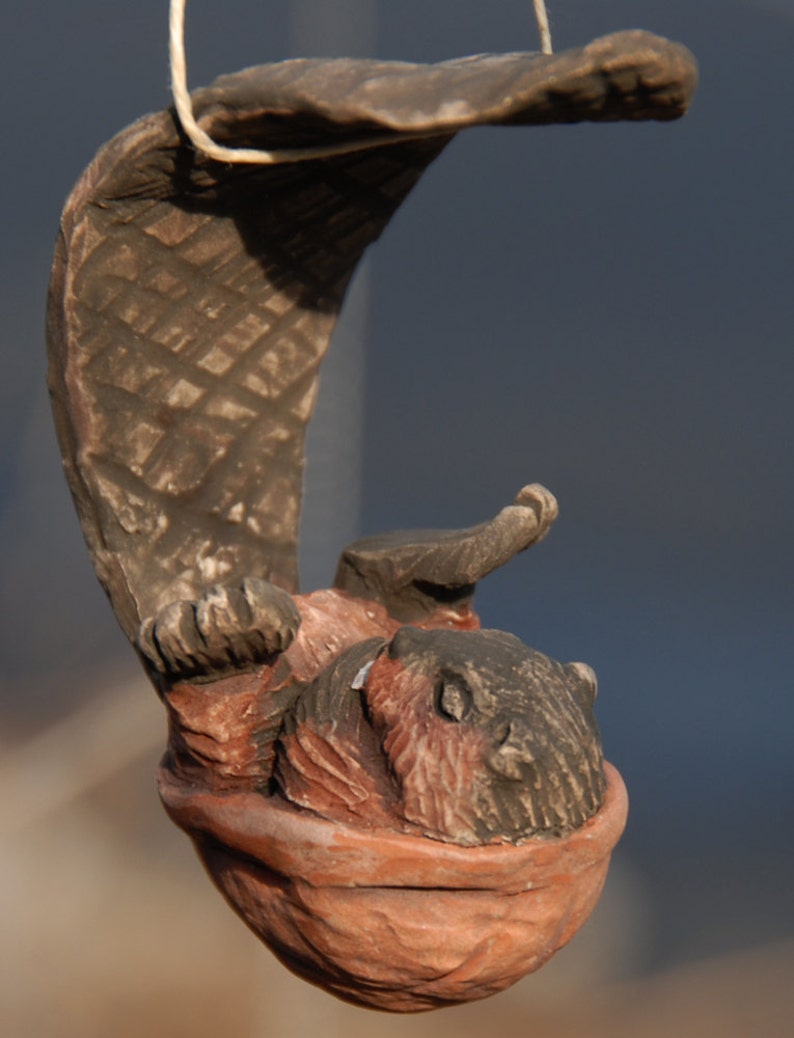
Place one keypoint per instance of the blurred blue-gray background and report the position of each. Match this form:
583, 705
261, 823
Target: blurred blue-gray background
608, 310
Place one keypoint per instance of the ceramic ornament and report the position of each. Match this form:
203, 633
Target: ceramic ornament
409, 810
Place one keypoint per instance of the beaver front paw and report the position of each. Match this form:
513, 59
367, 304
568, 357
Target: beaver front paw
226, 629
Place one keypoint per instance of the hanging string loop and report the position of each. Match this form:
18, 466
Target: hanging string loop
254, 156
542, 18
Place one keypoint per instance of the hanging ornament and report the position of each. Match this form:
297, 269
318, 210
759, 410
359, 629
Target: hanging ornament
409, 810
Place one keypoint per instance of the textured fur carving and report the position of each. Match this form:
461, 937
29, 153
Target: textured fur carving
464, 736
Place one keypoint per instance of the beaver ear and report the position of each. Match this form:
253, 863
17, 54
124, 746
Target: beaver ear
586, 677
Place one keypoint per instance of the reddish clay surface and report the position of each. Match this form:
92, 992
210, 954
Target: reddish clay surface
220, 732
379, 917
397, 922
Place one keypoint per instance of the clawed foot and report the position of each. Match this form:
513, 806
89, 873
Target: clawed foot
227, 629
542, 504
412, 572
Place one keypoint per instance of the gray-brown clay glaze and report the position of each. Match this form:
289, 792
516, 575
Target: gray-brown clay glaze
364, 771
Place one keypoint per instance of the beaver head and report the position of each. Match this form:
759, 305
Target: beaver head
486, 738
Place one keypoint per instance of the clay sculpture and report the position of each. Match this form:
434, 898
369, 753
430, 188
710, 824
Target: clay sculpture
409, 810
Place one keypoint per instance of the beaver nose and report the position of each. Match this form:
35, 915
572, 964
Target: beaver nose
514, 752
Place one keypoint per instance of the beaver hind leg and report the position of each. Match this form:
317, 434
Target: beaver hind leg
412, 572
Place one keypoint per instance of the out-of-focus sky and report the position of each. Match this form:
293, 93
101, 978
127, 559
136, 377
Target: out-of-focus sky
608, 310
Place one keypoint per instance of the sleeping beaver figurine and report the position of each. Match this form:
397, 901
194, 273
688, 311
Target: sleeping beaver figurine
409, 810
433, 726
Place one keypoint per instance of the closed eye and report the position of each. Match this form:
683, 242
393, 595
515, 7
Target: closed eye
454, 699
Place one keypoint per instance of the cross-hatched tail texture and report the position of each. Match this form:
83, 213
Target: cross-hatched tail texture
192, 301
